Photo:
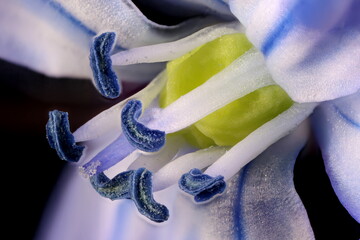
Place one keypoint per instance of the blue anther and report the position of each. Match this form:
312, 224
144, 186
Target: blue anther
105, 78
135, 185
60, 138
143, 198
138, 135
203, 187
115, 188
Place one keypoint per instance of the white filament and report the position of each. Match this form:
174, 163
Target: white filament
168, 51
259, 140
241, 77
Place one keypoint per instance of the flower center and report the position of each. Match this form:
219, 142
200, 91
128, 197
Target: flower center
232, 123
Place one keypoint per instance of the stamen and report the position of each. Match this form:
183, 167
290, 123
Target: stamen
138, 135
60, 138
117, 151
106, 81
135, 185
168, 51
109, 120
259, 140
115, 188
142, 196
203, 187
171, 172
241, 77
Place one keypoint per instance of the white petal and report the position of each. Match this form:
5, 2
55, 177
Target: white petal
36, 36
77, 212
270, 207
125, 19
337, 125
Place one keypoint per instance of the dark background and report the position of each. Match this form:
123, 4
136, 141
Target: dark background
32, 168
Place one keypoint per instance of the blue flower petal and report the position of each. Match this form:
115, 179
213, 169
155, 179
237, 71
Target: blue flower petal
60, 138
337, 126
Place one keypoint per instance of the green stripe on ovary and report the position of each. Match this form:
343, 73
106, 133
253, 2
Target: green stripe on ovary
232, 123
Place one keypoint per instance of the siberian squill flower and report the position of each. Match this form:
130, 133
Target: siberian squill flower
206, 150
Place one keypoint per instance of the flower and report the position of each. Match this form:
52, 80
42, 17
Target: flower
245, 186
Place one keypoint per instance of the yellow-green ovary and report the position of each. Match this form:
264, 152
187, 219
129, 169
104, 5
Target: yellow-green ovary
232, 123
